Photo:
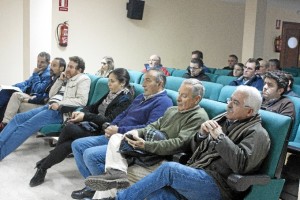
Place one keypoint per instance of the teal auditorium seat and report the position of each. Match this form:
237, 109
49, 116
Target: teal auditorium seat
212, 90
296, 122
94, 80
225, 80
224, 72
170, 70
100, 89
226, 92
213, 108
172, 95
292, 70
213, 77
296, 80
211, 69
296, 89
135, 76
173, 83
270, 186
179, 72
138, 89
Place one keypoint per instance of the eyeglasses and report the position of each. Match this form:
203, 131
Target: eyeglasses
235, 102
194, 68
103, 63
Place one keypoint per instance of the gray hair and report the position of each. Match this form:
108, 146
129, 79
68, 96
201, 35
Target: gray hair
198, 88
253, 97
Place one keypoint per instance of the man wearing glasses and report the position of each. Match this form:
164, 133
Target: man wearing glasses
237, 132
196, 71
154, 62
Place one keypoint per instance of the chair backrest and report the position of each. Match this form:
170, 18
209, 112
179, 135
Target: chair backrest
170, 70
226, 92
278, 127
213, 108
211, 69
212, 90
179, 72
135, 76
213, 77
296, 80
101, 89
94, 80
296, 89
172, 95
296, 122
224, 72
294, 71
225, 80
138, 89
296, 140
173, 83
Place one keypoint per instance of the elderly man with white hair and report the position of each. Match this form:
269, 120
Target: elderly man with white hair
234, 141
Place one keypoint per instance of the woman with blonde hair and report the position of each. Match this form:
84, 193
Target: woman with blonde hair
107, 65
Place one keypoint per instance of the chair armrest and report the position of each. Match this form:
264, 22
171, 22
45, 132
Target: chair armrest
67, 108
181, 158
243, 182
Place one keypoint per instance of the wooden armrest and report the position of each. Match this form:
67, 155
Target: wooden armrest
181, 158
243, 182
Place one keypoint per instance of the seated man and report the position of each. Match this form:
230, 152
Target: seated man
179, 124
155, 63
274, 64
198, 54
233, 142
36, 84
263, 68
273, 100
75, 93
19, 102
146, 108
232, 60
249, 77
196, 70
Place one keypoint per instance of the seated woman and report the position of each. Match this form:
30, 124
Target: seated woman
89, 121
238, 70
107, 65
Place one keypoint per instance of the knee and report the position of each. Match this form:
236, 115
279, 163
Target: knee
75, 145
169, 165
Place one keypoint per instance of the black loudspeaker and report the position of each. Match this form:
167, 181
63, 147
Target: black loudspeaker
135, 9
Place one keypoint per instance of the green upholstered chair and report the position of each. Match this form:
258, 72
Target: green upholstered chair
213, 108
213, 77
173, 83
226, 92
224, 72
179, 72
135, 76
211, 69
100, 89
172, 95
138, 89
294, 141
296, 80
170, 70
212, 90
296, 89
225, 80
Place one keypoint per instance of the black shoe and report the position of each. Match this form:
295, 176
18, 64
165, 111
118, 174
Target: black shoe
83, 193
38, 178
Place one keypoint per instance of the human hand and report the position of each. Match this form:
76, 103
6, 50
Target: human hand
63, 76
76, 117
133, 139
53, 106
110, 130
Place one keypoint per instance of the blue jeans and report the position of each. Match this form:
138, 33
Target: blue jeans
89, 154
23, 125
173, 181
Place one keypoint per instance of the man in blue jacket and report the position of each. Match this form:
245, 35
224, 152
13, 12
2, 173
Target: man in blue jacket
22, 102
36, 83
146, 108
250, 77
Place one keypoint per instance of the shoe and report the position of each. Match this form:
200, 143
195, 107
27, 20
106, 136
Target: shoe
111, 179
38, 178
83, 193
2, 126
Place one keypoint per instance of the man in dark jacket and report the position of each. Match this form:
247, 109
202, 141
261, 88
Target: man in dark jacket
196, 71
237, 132
22, 102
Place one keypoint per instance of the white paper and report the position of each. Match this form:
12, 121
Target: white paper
9, 87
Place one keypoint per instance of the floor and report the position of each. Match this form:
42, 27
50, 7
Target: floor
17, 169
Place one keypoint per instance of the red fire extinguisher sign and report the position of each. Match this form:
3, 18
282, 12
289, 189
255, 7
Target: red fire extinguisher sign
63, 5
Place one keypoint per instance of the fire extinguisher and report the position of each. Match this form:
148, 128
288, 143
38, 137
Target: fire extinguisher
277, 44
62, 34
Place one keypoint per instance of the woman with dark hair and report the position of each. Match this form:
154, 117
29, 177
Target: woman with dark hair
88, 121
107, 65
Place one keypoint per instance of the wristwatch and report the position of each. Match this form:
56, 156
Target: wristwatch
220, 137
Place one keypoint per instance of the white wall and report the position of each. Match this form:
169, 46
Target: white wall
170, 28
11, 40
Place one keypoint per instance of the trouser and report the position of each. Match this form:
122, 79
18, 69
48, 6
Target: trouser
63, 148
4, 98
15, 105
